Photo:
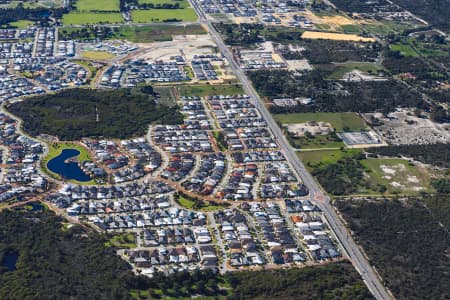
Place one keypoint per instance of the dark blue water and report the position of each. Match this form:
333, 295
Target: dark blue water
10, 260
69, 170
36, 206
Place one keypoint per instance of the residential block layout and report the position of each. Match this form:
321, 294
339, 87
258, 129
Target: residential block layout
222, 137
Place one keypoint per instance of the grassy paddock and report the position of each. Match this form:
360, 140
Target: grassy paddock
339, 121
398, 175
95, 5
160, 15
325, 156
183, 3
78, 18
202, 90
342, 69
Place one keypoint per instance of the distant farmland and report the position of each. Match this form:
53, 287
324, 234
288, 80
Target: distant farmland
95, 5
79, 18
94, 12
161, 15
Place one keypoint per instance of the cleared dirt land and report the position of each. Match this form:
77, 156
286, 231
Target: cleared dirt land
335, 36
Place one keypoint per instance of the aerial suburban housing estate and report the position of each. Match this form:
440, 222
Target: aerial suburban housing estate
224, 149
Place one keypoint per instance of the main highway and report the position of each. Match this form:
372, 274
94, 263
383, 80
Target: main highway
349, 246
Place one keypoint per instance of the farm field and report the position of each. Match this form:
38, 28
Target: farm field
335, 36
161, 15
339, 121
95, 5
78, 18
208, 90
182, 3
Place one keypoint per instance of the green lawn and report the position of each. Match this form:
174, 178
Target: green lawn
55, 149
384, 28
182, 3
316, 142
166, 96
339, 121
21, 24
185, 202
405, 49
80, 18
95, 5
125, 240
342, 69
97, 55
161, 15
397, 175
311, 158
202, 90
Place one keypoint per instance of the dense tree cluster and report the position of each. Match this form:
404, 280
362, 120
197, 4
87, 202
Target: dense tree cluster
434, 154
344, 177
327, 51
333, 281
355, 6
57, 263
34, 14
246, 35
437, 12
333, 96
398, 63
405, 242
60, 262
77, 113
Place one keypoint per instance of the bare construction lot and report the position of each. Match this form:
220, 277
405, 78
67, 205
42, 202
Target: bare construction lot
404, 127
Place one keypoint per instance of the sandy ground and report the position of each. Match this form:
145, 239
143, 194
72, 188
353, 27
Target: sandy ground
335, 36
188, 46
299, 64
401, 128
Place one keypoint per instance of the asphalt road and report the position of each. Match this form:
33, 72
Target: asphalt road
352, 250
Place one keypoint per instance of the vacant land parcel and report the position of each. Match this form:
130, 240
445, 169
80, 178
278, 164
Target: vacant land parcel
340, 121
94, 12
335, 36
93, 5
